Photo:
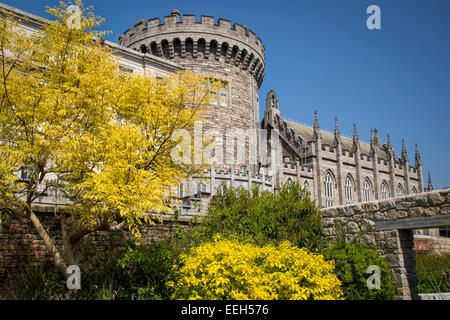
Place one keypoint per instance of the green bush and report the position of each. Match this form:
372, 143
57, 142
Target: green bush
351, 263
429, 269
266, 217
149, 267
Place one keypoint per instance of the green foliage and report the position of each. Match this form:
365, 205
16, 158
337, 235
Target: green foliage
266, 217
136, 274
150, 267
351, 263
430, 269
39, 282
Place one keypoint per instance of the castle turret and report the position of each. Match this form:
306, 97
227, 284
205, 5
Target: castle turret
232, 54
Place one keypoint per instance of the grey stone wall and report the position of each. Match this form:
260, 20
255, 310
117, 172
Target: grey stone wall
359, 222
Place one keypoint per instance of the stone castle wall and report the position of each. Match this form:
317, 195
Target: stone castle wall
358, 221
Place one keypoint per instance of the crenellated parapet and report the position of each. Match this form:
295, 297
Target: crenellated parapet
186, 38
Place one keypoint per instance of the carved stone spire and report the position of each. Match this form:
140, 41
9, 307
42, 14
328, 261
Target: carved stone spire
337, 134
316, 126
316, 121
376, 139
418, 161
355, 138
430, 184
404, 153
355, 133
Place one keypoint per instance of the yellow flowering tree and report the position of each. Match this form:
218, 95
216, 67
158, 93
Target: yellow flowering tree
230, 270
72, 122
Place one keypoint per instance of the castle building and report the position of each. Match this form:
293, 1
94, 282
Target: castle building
339, 170
335, 169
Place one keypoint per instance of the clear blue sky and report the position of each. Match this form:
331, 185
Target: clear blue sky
320, 55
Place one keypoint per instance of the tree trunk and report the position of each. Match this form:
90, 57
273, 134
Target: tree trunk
60, 264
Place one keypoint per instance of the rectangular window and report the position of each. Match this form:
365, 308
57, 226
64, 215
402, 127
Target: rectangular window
220, 95
125, 70
223, 96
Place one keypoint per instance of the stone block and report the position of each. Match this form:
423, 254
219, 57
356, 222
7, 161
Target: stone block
435, 199
352, 227
386, 205
445, 209
404, 205
416, 211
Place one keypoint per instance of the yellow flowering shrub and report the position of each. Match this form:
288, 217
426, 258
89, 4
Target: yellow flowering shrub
230, 270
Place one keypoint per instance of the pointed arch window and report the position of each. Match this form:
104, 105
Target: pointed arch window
201, 188
329, 190
384, 191
289, 180
399, 190
348, 187
414, 190
181, 190
367, 190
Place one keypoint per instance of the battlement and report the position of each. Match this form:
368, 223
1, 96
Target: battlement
184, 36
189, 20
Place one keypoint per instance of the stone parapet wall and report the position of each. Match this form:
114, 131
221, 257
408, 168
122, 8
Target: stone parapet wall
358, 221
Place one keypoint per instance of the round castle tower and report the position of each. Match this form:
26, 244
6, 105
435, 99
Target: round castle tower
233, 55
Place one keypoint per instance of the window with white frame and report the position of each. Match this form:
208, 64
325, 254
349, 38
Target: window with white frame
348, 190
223, 95
219, 95
329, 190
306, 186
367, 190
201, 187
399, 190
384, 191
181, 190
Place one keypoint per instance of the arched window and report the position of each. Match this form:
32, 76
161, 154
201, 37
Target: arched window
306, 186
213, 47
348, 190
154, 49
189, 45
201, 46
414, 190
181, 190
399, 190
384, 191
177, 46
367, 190
201, 188
165, 48
289, 180
219, 189
329, 190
